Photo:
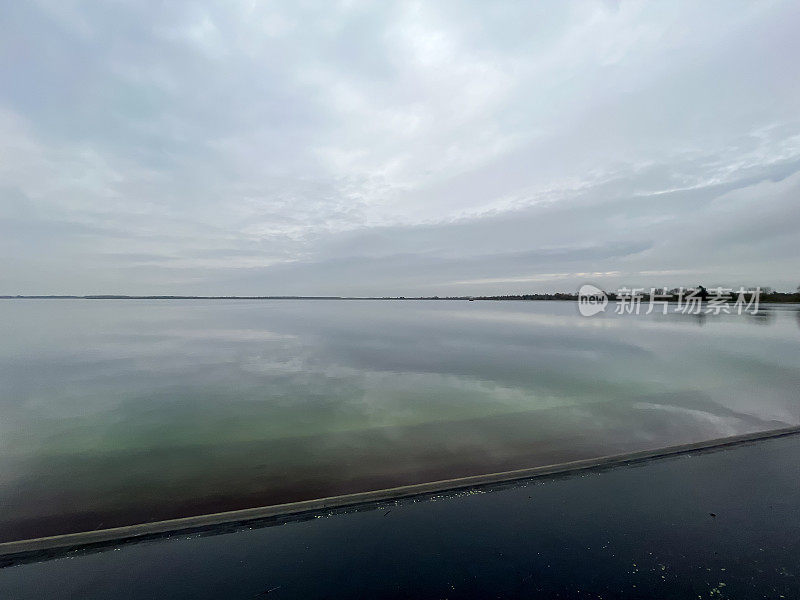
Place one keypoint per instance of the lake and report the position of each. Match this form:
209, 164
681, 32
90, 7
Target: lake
123, 411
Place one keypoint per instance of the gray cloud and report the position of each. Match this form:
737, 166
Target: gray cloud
239, 148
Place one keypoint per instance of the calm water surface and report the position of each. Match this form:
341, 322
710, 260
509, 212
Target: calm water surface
115, 412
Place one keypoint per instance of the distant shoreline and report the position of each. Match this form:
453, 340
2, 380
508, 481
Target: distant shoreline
772, 298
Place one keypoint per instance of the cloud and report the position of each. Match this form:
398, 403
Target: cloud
245, 148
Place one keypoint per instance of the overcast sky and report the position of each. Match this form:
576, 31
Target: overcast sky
397, 148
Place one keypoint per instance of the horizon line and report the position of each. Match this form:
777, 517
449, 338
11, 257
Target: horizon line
562, 294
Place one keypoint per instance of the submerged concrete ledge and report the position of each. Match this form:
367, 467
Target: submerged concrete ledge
61, 543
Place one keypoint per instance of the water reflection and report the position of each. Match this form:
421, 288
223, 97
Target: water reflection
116, 412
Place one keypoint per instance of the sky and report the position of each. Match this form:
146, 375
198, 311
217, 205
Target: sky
409, 148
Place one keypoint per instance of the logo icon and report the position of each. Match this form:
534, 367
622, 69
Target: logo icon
591, 300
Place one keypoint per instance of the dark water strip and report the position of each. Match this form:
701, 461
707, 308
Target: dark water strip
713, 524
11, 552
